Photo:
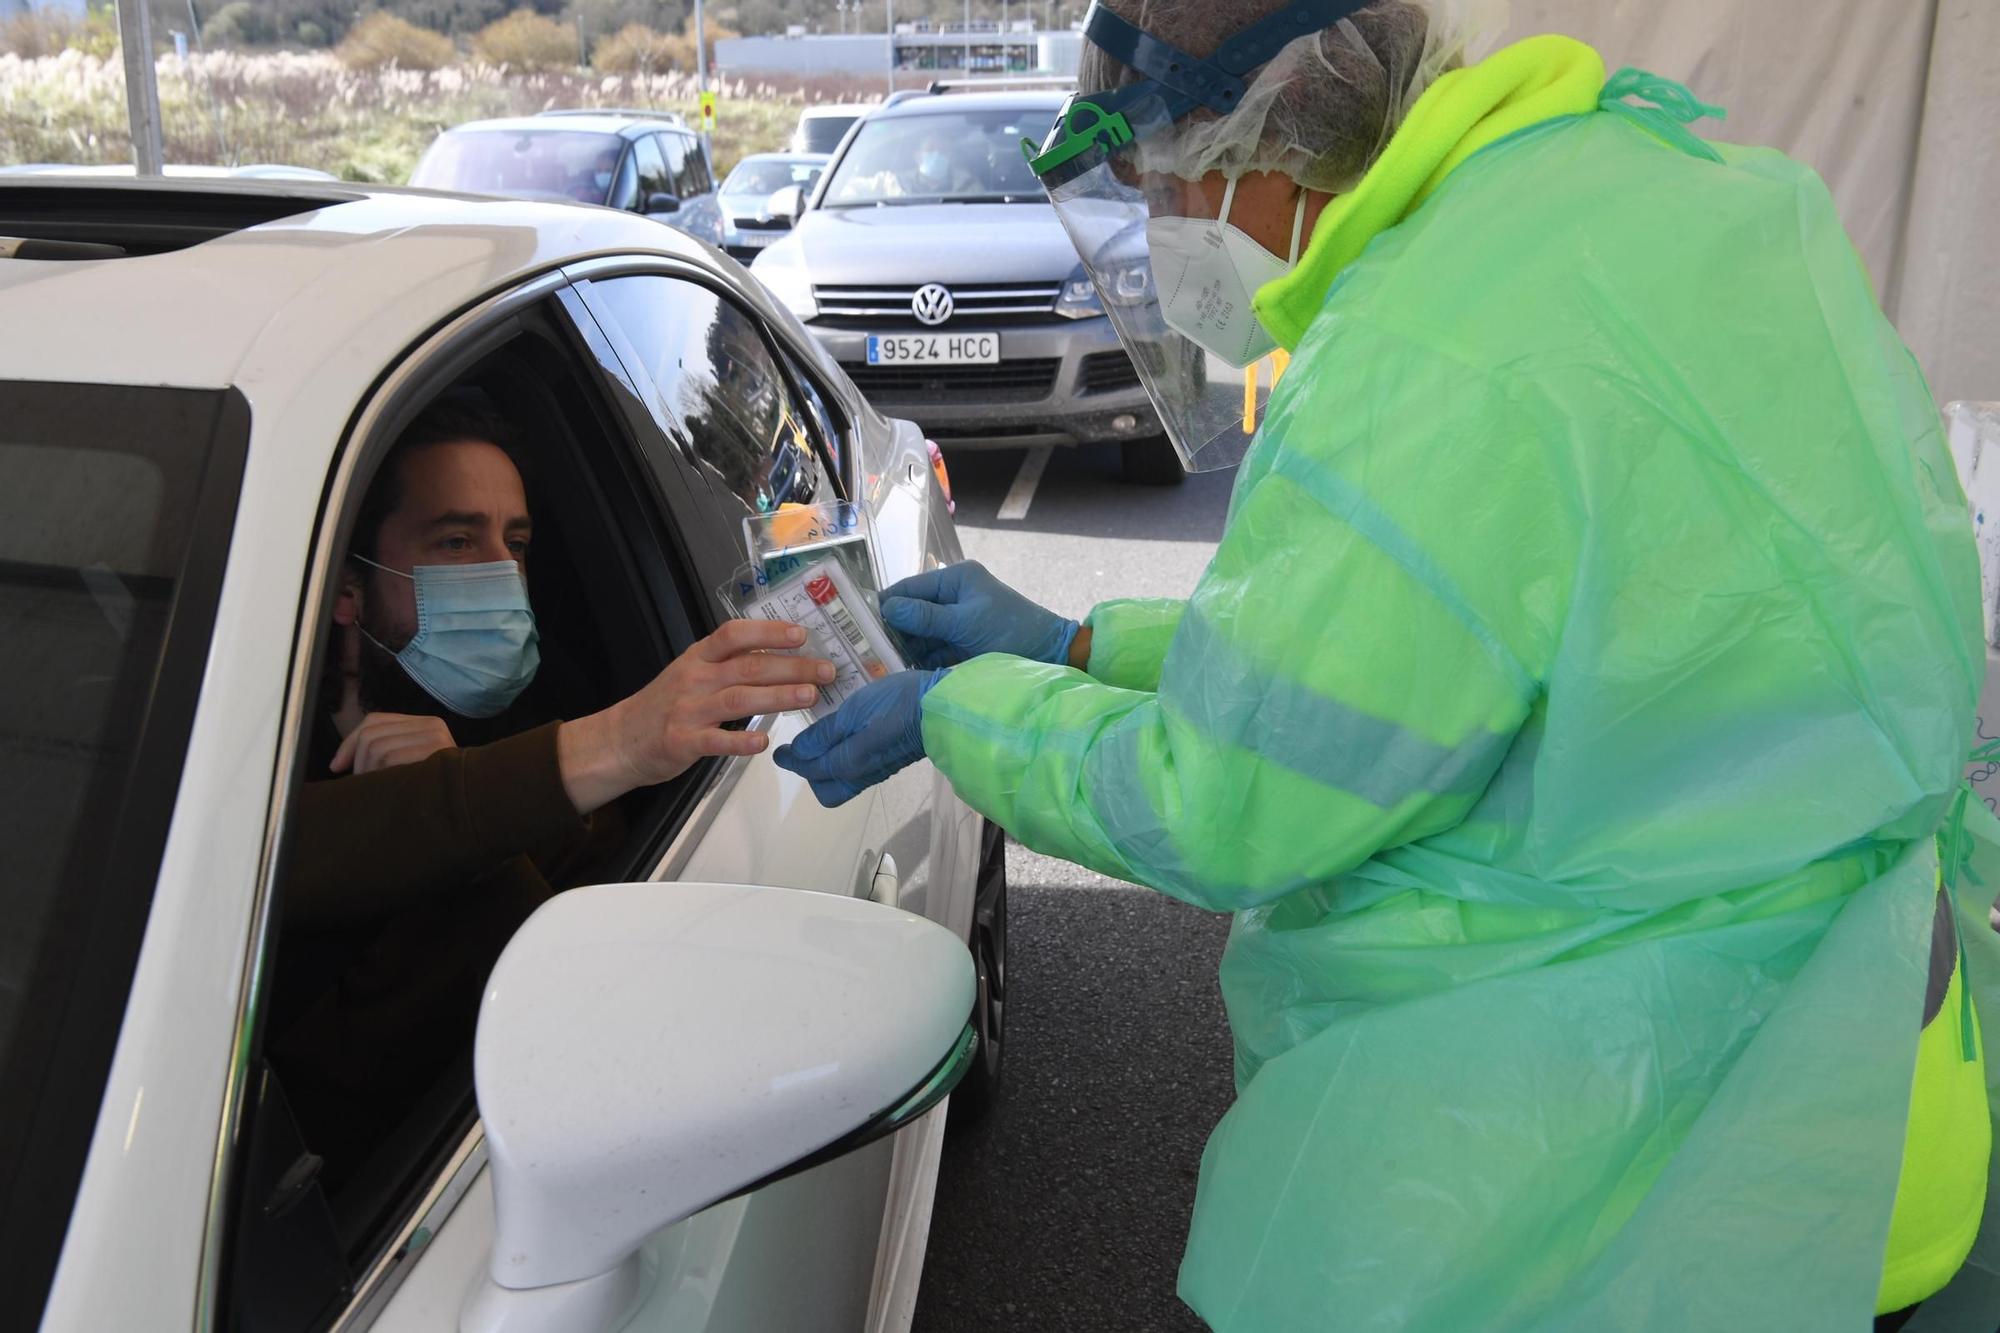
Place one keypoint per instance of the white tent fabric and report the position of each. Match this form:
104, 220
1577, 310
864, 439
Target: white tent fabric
1896, 103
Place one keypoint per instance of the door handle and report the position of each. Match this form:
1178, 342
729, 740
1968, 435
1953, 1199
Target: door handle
888, 885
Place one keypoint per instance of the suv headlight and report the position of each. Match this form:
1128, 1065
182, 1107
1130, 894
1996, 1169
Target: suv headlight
783, 273
1079, 296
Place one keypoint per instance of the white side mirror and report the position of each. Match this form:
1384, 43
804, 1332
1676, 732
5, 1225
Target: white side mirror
787, 204
647, 1050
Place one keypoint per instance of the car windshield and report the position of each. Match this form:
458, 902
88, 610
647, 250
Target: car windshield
523, 164
821, 134
944, 156
763, 176
103, 636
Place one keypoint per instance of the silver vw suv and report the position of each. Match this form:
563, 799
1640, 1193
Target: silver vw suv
929, 263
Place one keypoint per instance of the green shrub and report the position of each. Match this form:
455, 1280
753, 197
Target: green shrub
236, 24
633, 49
312, 34
383, 39
525, 40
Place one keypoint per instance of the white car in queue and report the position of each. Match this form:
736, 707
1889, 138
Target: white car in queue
711, 1084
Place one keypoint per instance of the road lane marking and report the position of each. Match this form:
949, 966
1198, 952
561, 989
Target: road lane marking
1022, 494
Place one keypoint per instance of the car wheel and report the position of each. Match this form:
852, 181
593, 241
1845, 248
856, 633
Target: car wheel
1151, 462
975, 1095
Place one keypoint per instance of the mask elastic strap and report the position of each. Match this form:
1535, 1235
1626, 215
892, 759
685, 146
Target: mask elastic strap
372, 639
1228, 197
1298, 226
356, 555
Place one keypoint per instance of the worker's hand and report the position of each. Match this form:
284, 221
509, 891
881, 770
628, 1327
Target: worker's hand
657, 734
954, 614
390, 740
877, 733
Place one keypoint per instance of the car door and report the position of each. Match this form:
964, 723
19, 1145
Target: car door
687, 166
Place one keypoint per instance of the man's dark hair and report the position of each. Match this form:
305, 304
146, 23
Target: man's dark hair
455, 416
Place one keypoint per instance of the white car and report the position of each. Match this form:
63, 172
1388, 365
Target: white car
713, 1085
822, 127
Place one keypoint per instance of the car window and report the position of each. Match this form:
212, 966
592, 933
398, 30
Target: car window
710, 362
652, 167
954, 156
104, 625
625, 188
690, 168
822, 134
760, 177
404, 874
527, 164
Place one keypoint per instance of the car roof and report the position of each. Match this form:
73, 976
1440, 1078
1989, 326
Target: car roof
578, 123
943, 103
337, 272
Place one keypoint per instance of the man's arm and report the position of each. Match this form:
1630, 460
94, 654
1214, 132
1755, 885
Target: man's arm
364, 844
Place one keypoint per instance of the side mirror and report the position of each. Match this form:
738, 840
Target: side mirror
657, 204
786, 205
648, 1050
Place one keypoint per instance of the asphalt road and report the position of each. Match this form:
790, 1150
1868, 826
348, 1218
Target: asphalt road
1067, 1207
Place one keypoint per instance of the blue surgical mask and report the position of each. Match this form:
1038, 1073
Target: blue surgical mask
603, 179
933, 165
475, 648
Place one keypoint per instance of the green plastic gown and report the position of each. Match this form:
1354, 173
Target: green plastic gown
1566, 717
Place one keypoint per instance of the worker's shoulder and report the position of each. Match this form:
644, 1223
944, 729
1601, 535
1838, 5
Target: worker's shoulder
1565, 197
1590, 231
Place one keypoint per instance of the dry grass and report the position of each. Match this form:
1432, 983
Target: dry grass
368, 125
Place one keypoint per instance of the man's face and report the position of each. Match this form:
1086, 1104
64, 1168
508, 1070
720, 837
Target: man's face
462, 504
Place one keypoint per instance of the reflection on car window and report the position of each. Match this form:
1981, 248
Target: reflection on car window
710, 361
526, 164
653, 176
956, 156
99, 492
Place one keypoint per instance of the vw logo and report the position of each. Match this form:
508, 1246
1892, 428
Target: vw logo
931, 304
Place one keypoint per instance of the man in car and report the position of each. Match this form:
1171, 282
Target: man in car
447, 798
934, 171
594, 185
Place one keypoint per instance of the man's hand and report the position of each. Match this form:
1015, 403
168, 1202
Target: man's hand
389, 740
659, 733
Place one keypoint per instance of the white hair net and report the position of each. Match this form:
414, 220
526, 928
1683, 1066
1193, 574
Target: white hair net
1321, 110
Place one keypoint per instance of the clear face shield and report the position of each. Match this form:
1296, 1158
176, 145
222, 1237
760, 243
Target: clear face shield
1176, 283
1175, 277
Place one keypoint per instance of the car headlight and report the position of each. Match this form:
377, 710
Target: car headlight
783, 274
1079, 297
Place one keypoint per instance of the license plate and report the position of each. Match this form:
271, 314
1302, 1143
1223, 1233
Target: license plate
933, 349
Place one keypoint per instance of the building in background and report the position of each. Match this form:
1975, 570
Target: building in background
923, 49
15, 8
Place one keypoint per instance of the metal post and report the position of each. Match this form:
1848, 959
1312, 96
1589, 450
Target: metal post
142, 93
701, 77
889, 27
968, 38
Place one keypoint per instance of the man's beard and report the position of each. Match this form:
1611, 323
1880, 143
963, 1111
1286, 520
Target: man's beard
387, 688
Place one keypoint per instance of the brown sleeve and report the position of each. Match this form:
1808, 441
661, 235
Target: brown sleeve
366, 845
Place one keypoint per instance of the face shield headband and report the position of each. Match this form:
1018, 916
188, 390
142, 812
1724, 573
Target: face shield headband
1091, 127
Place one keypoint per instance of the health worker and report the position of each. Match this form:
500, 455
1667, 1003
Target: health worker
1568, 716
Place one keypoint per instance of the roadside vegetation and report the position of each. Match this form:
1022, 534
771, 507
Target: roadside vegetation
306, 83
365, 121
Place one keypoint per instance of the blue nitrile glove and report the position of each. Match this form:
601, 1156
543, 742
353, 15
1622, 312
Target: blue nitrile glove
876, 734
954, 614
